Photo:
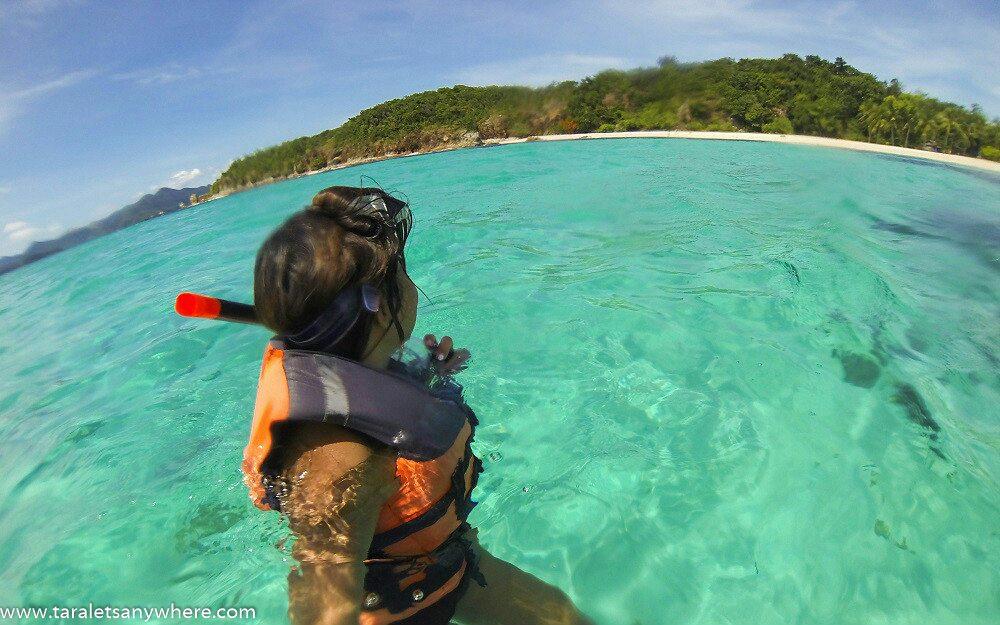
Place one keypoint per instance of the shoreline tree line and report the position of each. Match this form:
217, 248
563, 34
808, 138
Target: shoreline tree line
787, 95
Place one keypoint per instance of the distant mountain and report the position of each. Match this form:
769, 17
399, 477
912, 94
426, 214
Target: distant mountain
148, 206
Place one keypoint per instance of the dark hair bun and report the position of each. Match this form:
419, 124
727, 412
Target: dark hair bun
335, 243
338, 203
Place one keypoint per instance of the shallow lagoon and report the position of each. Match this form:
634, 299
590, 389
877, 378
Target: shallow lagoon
718, 382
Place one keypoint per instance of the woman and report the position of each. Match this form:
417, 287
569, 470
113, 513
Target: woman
368, 456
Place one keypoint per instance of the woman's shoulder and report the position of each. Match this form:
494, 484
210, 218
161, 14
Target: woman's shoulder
325, 452
335, 486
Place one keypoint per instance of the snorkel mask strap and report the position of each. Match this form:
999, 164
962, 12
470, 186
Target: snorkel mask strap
385, 211
341, 329
390, 217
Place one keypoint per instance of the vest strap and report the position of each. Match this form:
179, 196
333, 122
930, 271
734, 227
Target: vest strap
391, 408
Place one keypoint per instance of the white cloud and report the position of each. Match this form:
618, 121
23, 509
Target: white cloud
66, 80
184, 176
26, 11
14, 101
166, 74
20, 231
540, 70
175, 72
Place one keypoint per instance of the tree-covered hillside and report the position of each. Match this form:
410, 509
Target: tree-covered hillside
809, 96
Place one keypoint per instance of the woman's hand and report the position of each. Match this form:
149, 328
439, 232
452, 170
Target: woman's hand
444, 357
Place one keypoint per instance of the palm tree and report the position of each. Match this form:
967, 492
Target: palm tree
874, 118
944, 124
905, 115
890, 114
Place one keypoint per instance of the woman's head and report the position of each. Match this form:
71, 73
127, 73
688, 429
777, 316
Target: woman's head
340, 241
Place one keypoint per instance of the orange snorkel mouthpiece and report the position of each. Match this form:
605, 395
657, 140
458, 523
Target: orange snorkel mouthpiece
206, 307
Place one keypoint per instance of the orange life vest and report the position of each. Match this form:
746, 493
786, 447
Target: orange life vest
419, 552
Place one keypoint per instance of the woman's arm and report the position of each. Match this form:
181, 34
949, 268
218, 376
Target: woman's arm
514, 597
336, 486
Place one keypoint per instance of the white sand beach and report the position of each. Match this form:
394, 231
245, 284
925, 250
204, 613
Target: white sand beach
843, 144
823, 142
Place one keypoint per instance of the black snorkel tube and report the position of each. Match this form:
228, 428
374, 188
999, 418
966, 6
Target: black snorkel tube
341, 329
208, 307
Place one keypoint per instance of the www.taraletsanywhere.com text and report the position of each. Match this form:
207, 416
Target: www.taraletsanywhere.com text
91, 611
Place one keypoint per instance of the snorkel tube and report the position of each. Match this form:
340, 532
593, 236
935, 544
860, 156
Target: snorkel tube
341, 328
206, 307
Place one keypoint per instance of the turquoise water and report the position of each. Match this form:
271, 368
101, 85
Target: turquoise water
718, 383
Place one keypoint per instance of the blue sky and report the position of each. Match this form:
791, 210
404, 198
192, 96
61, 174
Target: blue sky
102, 101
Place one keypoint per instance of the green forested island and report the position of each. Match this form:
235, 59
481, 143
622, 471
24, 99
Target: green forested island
809, 96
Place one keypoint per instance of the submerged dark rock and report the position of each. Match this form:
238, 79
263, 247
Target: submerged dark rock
792, 270
977, 237
859, 370
904, 229
916, 410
